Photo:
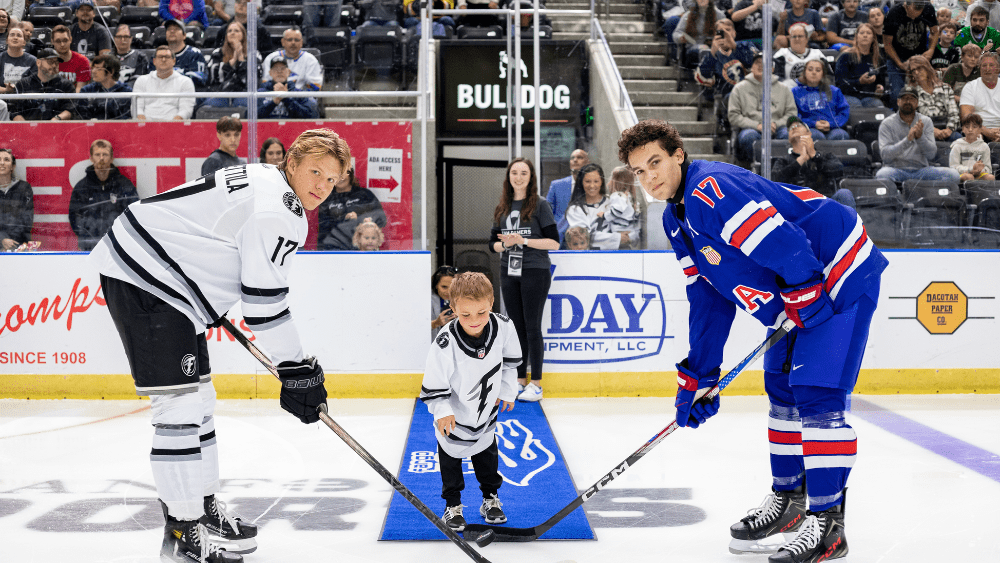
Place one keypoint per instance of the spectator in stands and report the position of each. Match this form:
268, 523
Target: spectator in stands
272, 151
589, 206
748, 21
876, 18
809, 168
907, 145
800, 12
33, 45
46, 80
821, 106
17, 205
411, 13
311, 16
223, 11
100, 197
441, 311
14, 62
561, 190
228, 130
188, 11
727, 62
188, 60
860, 71
746, 109
134, 63
348, 205
696, 29
305, 69
944, 15
72, 65
790, 61
992, 6
5, 26
842, 26
936, 99
970, 156
473, 19
624, 213
380, 12
577, 238
228, 70
280, 107
105, 71
368, 236
907, 28
982, 96
88, 39
264, 43
964, 71
946, 53
163, 80
978, 32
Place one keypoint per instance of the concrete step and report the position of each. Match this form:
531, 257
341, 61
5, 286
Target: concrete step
614, 26
664, 98
390, 101
693, 128
650, 85
641, 60
611, 37
616, 8
680, 113
699, 145
383, 113
647, 72
638, 48
711, 156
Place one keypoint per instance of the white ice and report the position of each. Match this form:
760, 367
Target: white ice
905, 503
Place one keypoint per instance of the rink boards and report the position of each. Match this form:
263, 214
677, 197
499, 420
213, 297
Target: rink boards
614, 325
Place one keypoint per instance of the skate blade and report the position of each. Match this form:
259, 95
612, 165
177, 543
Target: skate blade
241, 547
765, 546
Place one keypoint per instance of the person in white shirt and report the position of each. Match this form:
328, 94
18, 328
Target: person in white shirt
790, 62
307, 73
164, 80
981, 96
588, 207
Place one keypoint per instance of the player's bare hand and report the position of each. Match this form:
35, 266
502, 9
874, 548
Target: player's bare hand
445, 425
8, 243
624, 238
507, 406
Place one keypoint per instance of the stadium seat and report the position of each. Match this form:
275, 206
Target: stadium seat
830, 55
283, 15
995, 155
880, 206
46, 16
851, 152
159, 36
108, 15
379, 48
214, 113
136, 15
937, 213
779, 148
943, 153
43, 34
276, 31
467, 32
208, 42
984, 212
141, 36
876, 156
349, 16
863, 123
195, 35
334, 45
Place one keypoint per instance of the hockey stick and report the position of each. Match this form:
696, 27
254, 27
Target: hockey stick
361, 451
483, 534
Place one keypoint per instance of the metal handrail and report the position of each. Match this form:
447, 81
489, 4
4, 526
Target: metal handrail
624, 101
270, 94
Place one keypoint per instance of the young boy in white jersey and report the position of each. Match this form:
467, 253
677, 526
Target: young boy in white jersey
471, 376
971, 155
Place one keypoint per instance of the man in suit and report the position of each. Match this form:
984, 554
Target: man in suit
561, 190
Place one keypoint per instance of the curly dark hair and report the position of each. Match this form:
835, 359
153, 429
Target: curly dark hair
645, 132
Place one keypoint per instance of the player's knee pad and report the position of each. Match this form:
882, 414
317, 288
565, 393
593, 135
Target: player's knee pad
183, 409
813, 401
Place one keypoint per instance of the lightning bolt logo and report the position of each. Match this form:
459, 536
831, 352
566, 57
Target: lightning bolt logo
484, 387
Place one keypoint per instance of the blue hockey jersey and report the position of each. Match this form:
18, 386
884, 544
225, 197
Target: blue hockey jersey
736, 232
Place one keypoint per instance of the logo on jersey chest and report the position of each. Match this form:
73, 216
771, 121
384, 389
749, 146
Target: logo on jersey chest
293, 204
481, 353
711, 255
188, 364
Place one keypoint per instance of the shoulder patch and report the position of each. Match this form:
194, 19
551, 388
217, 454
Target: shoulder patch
503, 318
293, 204
442, 339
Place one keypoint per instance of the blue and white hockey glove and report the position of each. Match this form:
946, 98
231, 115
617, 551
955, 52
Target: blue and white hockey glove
807, 304
302, 390
692, 410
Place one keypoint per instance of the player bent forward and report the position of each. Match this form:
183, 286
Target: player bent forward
471, 376
776, 251
171, 266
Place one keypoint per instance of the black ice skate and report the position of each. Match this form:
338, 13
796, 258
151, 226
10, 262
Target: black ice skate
230, 532
492, 510
185, 541
821, 538
782, 512
453, 518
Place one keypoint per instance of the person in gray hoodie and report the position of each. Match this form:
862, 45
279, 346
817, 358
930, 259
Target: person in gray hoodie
906, 142
745, 109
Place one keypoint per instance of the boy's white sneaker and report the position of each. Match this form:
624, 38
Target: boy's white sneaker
520, 389
531, 394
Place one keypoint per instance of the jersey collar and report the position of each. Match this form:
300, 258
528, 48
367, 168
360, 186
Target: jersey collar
465, 343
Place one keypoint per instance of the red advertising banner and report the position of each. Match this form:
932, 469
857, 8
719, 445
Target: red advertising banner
158, 156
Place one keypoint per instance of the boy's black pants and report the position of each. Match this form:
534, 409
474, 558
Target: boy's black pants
486, 464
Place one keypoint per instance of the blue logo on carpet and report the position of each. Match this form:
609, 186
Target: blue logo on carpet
536, 481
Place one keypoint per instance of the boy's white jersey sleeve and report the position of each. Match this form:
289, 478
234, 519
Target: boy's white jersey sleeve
511, 359
267, 244
435, 390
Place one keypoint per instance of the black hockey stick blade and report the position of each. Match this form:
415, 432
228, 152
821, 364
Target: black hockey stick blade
504, 534
361, 451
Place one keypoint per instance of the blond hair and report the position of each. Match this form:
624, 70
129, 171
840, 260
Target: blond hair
318, 142
471, 285
578, 232
364, 226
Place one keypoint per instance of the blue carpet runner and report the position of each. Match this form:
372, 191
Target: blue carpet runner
537, 483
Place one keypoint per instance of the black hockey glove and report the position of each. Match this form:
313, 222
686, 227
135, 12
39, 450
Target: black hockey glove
302, 390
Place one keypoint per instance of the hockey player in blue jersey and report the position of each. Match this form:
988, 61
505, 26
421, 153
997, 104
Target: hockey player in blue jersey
776, 251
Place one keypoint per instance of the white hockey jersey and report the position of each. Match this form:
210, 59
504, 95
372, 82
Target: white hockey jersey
204, 246
466, 381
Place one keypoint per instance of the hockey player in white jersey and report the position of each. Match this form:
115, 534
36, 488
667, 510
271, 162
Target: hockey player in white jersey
471, 377
171, 266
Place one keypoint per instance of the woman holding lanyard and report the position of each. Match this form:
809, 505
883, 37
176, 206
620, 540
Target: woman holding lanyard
524, 230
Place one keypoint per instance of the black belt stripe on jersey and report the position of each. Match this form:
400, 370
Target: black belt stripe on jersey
185, 451
209, 183
514, 361
262, 292
170, 261
142, 273
433, 397
264, 320
426, 390
209, 436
